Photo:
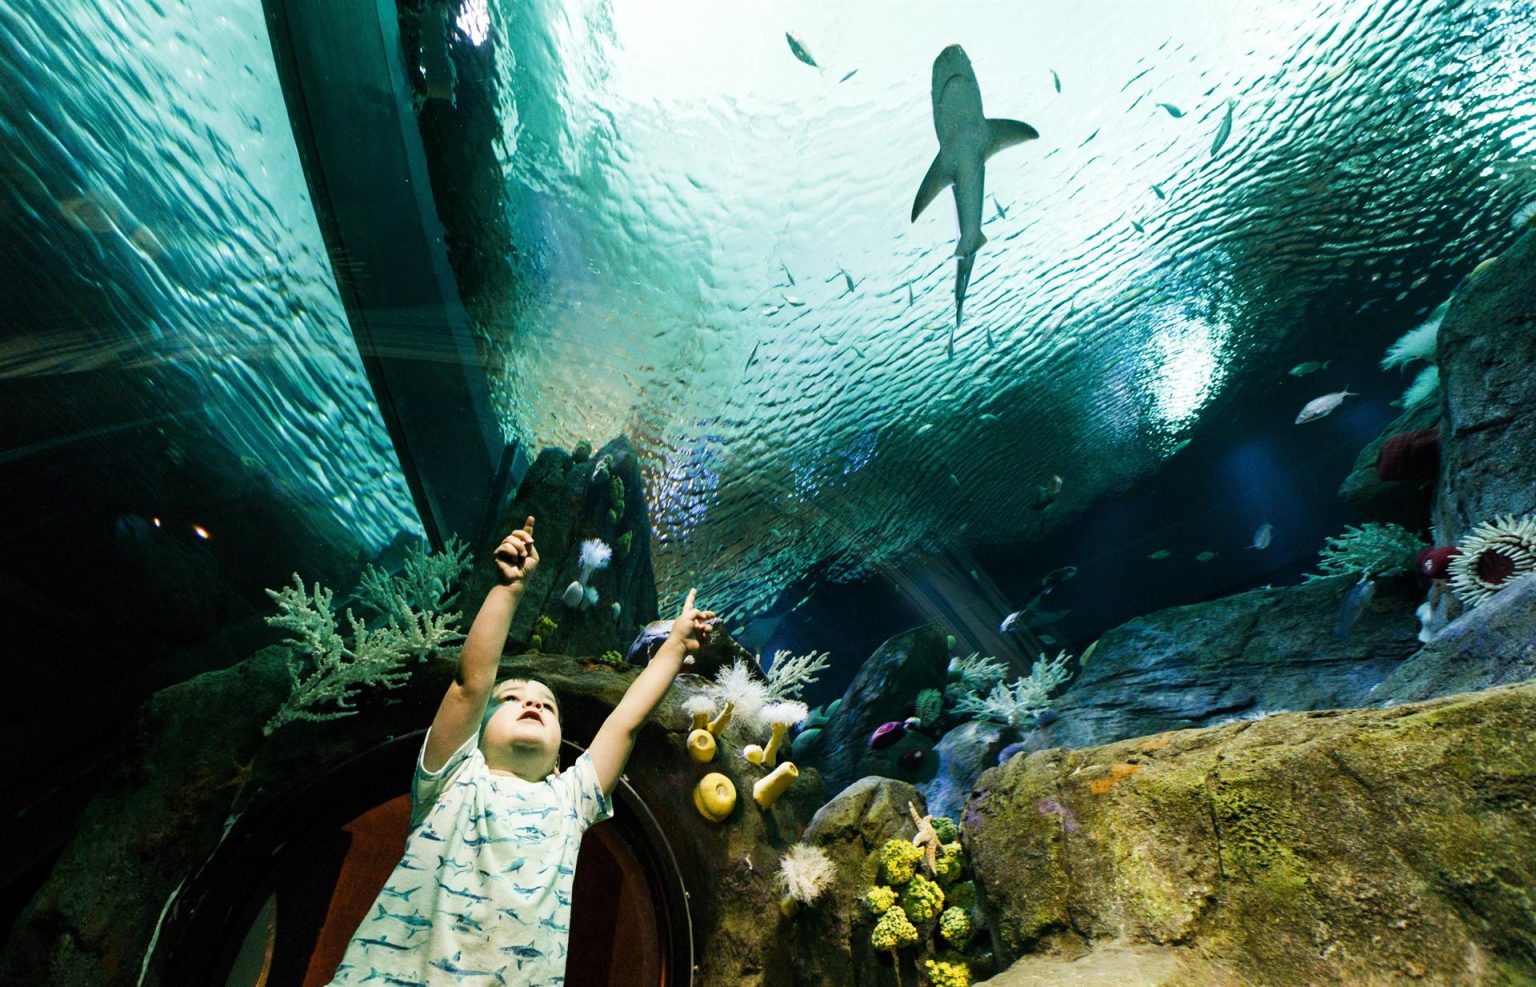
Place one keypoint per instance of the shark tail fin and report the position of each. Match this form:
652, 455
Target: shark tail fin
936, 181
1006, 133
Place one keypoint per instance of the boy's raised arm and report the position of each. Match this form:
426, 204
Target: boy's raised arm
611, 747
458, 716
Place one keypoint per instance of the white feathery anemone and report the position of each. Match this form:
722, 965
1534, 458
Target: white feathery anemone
1417, 343
595, 554
787, 713
1524, 216
698, 703
734, 684
1493, 555
1425, 387
806, 872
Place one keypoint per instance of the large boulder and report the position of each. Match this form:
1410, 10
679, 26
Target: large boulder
883, 690
962, 755
1357, 846
1486, 349
1492, 644
1260, 651
572, 498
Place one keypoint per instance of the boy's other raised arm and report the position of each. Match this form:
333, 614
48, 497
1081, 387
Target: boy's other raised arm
611, 747
458, 715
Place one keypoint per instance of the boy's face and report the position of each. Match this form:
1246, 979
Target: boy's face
526, 721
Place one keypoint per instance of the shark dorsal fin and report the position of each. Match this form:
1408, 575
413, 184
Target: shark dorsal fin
936, 181
1006, 133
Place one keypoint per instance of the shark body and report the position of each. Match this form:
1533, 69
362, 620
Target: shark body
966, 140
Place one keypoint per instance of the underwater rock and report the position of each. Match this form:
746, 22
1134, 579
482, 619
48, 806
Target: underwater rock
1263, 650
833, 947
962, 754
1492, 644
1486, 352
571, 502
1404, 500
882, 691
1356, 846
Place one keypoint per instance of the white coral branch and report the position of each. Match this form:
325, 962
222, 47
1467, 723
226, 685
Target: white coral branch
1017, 702
790, 674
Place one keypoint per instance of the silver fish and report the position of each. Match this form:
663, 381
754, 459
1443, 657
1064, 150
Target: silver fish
1356, 601
800, 50
1262, 537
1323, 407
1222, 132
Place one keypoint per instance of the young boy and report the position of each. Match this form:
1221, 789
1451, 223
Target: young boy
483, 892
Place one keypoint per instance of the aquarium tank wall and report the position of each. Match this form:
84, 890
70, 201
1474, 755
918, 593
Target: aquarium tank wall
789, 494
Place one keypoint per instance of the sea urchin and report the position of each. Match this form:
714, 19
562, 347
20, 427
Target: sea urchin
1495, 554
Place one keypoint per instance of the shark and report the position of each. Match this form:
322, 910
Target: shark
967, 138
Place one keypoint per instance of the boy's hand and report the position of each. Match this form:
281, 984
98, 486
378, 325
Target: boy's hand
692, 626
516, 557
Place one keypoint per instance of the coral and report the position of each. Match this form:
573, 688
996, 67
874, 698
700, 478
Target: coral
425, 582
898, 861
624, 544
879, 899
790, 674
942, 974
894, 931
963, 895
543, 627
1373, 548
922, 899
950, 864
929, 707
1493, 555
955, 927
1410, 456
615, 498
338, 670
945, 829
1017, 702
972, 673
767, 789
805, 871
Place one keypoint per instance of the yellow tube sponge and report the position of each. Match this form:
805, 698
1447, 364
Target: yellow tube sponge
879, 899
701, 746
753, 754
720, 722
714, 797
771, 752
774, 783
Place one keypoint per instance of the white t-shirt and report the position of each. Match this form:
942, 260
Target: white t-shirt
483, 893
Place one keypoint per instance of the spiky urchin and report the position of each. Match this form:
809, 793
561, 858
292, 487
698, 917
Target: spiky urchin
1495, 554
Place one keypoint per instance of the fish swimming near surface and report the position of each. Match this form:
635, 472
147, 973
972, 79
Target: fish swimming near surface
1355, 603
1058, 576
800, 50
1055, 80
1205, 556
1323, 407
1262, 537
1160, 555
1047, 494
1223, 131
1310, 367
1173, 111
966, 140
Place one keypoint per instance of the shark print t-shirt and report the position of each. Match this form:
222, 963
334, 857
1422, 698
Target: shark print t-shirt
483, 893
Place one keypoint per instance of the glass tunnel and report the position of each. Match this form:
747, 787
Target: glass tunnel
604, 492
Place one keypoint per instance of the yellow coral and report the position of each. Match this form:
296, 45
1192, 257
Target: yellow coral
879, 899
945, 829
921, 899
955, 927
898, 861
893, 931
950, 863
948, 974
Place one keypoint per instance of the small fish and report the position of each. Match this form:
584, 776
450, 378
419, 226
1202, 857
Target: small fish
848, 281
1323, 407
753, 355
848, 75
457, 894
791, 277
794, 300
1173, 111
1180, 446
1310, 367
1262, 536
800, 50
954, 479
1138, 227
1223, 132
1160, 555
1009, 621
1055, 79
1159, 192
1205, 556
1355, 603
1058, 576
909, 296
396, 893
1047, 639
1001, 212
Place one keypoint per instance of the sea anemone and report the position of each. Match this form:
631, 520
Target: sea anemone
1410, 456
1417, 343
806, 872
1424, 388
887, 734
594, 556
1495, 554
734, 684
1434, 562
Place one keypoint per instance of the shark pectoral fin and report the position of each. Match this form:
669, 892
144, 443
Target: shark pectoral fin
1006, 133
936, 181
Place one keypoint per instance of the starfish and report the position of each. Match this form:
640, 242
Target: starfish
927, 839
